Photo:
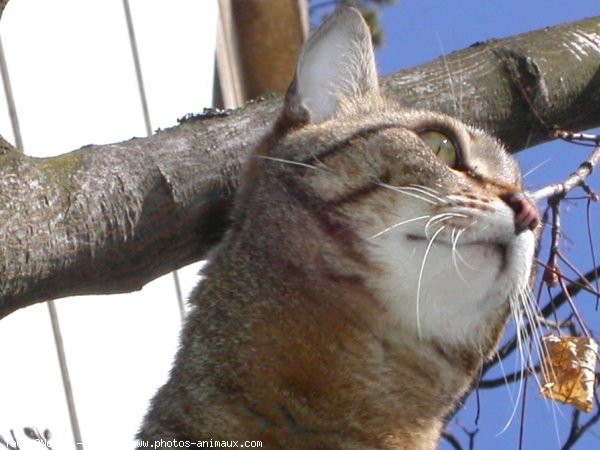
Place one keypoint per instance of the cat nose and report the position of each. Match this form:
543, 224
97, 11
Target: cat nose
526, 215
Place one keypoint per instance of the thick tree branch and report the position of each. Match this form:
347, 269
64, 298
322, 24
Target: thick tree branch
111, 218
516, 88
107, 219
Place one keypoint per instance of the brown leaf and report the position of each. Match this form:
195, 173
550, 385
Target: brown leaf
569, 375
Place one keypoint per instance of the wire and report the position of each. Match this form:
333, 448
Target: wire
144, 101
58, 341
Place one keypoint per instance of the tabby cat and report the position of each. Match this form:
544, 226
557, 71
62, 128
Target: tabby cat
370, 269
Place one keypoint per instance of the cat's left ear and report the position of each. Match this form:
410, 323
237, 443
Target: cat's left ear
335, 64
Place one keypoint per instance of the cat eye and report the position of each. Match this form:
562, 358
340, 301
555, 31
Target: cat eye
441, 145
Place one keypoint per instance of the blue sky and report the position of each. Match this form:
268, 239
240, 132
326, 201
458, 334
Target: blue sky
417, 32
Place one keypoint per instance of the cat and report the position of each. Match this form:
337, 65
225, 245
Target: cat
374, 255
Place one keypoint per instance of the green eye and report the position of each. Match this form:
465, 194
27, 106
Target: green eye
441, 145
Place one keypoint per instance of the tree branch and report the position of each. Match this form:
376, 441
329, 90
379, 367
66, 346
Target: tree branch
577, 429
107, 219
110, 218
576, 179
452, 440
519, 89
507, 379
2, 5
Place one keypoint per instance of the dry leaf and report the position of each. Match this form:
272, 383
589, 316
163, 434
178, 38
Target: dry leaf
570, 370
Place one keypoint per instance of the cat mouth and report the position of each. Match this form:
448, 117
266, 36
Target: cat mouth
487, 247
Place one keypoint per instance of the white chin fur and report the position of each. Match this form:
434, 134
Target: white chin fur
462, 289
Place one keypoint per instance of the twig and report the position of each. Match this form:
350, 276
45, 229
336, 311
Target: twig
570, 136
577, 178
576, 314
523, 409
578, 430
510, 378
471, 435
582, 283
452, 440
591, 243
591, 289
574, 287
552, 274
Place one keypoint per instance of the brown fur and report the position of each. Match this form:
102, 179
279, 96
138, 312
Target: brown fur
294, 338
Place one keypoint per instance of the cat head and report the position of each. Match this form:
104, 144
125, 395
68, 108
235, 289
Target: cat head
433, 209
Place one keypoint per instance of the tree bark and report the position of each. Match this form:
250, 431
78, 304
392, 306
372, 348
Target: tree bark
519, 88
110, 218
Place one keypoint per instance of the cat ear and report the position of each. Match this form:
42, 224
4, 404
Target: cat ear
336, 63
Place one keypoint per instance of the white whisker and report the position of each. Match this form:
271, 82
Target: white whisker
396, 225
406, 191
507, 384
450, 79
525, 316
519, 327
428, 191
434, 220
455, 236
528, 310
293, 163
420, 280
441, 218
459, 256
532, 170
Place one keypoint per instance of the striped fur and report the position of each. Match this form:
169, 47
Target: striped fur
364, 279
